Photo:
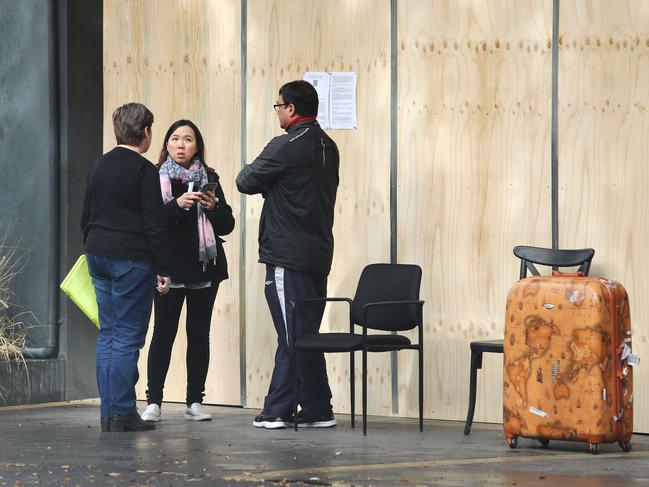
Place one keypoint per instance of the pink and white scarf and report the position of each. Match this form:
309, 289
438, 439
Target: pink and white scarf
197, 173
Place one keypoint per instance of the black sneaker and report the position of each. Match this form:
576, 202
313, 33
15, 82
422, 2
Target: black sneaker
324, 420
269, 422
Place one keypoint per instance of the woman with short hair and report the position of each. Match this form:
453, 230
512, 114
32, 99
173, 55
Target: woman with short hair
127, 249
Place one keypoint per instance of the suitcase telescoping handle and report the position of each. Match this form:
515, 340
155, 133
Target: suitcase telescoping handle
567, 274
619, 374
622, 352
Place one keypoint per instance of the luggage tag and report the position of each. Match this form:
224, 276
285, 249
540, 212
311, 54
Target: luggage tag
631, 358
626, 351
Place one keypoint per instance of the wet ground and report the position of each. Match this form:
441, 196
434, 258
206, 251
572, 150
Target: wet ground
61, 445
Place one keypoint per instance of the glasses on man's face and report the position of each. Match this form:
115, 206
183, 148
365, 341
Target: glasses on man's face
277, 105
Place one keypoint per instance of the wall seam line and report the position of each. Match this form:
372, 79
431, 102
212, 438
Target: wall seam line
242, 208
393, 182
555, 129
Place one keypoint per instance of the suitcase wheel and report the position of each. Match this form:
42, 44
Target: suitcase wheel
512, 442
593, 448
544, 442
625, 445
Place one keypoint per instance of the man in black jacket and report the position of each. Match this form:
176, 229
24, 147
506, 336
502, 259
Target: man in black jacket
297, 174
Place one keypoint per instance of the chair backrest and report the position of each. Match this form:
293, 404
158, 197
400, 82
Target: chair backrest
553, 257
388, 282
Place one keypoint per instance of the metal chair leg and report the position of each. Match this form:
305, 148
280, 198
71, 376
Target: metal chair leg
476, 363
421, 387
352, 385
364, 392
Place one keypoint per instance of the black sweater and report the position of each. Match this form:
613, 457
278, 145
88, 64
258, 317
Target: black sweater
183, 232
123, 215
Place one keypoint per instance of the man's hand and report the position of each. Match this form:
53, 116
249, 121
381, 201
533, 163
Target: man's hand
163, 284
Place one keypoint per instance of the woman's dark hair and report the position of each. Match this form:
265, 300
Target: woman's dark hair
200, 145
302, 95
129, 122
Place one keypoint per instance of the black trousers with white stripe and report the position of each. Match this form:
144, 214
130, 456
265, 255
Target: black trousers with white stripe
282, 287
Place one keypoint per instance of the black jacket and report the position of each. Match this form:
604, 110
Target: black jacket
297, 174
123, 215
183, 232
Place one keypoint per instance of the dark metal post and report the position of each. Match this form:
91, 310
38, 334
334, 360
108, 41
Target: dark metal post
393, 182
555, 123
242, 208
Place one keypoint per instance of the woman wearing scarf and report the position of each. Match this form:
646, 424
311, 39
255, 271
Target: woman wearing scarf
195, 218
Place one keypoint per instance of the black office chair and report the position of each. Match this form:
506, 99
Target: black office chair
529, 256
387, 299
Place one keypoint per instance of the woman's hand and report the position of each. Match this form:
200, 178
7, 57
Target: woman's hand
162, 284
209, 200
189, 199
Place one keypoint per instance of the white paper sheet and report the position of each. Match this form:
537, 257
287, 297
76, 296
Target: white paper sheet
342, 100
321, 81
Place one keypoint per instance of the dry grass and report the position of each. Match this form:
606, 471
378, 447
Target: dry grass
12, 340
13, 329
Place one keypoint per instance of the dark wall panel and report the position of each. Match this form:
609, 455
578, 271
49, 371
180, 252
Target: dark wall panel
50, 131
25, 148
81, 143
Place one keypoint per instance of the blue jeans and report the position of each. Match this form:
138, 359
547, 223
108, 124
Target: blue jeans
124, 291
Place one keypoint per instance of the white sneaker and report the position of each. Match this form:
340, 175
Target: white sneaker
151, 413
196, 412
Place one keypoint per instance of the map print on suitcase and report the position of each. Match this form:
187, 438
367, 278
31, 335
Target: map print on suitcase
568, 371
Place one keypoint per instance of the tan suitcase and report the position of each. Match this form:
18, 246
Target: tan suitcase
568, 371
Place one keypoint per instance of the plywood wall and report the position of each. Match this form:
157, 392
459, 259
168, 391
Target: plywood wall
604, 151
473, 162
182, 60
474, 117
286, 38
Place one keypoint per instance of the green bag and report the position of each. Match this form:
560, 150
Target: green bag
78, 286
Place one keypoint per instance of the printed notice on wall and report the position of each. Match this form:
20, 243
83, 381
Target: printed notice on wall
321, 82
337, 97
342, 100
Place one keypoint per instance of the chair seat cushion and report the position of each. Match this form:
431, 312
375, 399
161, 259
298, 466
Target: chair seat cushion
330, 342
383, 343
345, 342
489, 346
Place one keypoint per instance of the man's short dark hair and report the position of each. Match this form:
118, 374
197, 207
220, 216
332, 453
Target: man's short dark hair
302, 95
129, 122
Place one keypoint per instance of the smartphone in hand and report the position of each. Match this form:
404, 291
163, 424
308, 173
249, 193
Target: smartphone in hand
209, 187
